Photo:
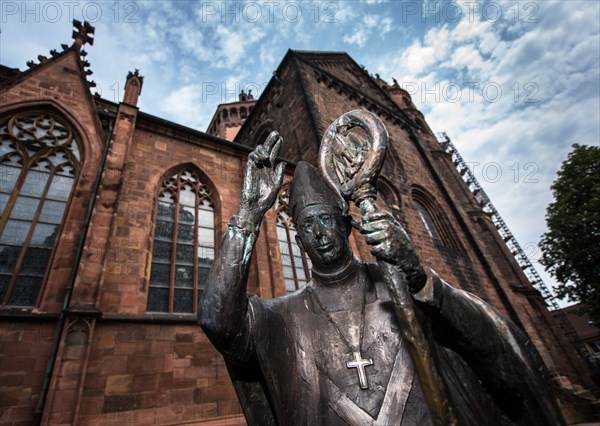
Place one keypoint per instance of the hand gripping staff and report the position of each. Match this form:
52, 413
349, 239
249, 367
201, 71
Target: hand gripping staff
351, 163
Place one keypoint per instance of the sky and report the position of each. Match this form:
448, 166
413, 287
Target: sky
514, 84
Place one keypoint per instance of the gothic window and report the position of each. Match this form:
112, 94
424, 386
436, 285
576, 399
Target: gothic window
183, 244
427, 221
388, 198
39, 162
296, 265
261, 132
434, 220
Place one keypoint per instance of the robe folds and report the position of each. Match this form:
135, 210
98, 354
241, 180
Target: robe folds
287, 360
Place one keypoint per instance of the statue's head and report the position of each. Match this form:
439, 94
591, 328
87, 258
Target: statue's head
317, 212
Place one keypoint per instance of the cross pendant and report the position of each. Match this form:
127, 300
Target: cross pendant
359, 363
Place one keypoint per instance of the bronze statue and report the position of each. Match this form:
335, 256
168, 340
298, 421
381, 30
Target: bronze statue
361, 344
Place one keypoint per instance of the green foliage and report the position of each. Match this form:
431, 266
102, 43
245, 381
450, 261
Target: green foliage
571, 247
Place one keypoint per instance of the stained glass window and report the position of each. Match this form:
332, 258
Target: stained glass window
39, 159
183, 244
296, 265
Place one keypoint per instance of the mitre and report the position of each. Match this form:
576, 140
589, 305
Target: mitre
309, 188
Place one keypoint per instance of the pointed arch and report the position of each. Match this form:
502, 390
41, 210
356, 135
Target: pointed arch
261, 132
390, 200
434, 220
295, 264
40, 159
184, 240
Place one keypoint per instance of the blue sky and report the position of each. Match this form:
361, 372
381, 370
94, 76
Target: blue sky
514, 84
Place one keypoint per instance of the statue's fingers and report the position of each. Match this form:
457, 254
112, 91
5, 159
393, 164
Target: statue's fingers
262, 154
254, 157
262, 150
367, 227
376, 215
377, 237
271, 140
275, 150
279, 173
377, 250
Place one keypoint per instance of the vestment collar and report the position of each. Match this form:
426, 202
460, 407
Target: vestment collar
339, 276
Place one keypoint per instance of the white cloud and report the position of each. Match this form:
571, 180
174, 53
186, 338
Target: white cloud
469, 29
358, 38
547, 52
371, 24
467, 56
386, 26
555, 65
189, 104
233, 46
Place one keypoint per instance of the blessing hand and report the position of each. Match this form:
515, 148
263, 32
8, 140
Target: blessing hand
390, 242
262, 180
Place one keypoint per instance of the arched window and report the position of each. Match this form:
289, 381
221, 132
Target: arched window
183, 244
296, 265
435, 221
261, 132
39, 161
390, 201
427, 221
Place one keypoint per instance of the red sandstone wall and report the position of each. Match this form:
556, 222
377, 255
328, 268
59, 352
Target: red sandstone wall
24, 349
144, 373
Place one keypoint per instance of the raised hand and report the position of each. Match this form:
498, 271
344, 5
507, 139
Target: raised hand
390, 242
262, 180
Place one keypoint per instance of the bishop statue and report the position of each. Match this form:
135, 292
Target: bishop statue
335, 352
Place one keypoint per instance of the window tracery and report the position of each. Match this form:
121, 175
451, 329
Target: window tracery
183, 249
39, 162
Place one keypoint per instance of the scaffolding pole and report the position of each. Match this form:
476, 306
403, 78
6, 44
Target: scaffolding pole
512, 244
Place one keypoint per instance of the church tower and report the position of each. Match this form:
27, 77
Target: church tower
229, 117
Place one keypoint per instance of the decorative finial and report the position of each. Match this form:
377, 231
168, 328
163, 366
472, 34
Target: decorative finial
83, 33
135, 73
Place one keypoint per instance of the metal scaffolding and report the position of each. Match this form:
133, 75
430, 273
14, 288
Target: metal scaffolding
512, 243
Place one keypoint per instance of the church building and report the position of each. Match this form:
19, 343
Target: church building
110, 217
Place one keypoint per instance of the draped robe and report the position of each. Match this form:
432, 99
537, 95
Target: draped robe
287, 360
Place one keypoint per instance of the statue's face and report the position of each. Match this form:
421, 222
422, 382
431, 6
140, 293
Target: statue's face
323, 235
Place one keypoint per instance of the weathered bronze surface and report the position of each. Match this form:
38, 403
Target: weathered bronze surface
361, 344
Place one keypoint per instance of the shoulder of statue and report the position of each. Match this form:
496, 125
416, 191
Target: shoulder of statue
277, 305
299, 298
